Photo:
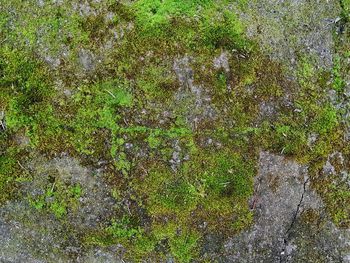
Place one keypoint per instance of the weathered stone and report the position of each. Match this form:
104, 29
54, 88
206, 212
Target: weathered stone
282, 195
288, 29
31, 235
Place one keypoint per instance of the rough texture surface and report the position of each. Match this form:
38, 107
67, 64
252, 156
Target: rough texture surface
289, 29
27, 235
175, 131
282, 231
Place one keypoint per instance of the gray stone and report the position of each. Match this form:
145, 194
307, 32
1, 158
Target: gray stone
31, 235
86, 59
222, 61
282, 195
192, 96
290, 28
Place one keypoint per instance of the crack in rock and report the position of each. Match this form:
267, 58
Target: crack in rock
281, 200
297, 212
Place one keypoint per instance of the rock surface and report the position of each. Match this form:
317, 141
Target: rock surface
293, 28
282, 231
134, 130
28, 234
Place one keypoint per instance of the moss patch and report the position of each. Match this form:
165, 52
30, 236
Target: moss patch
179, 136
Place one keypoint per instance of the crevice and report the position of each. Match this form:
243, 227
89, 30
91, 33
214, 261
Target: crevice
287, 233
298, 208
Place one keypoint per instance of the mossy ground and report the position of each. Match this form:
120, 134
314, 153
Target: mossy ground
130, 109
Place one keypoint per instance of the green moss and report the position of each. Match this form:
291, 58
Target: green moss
51, 25
8, 164
153, 16
338, 81
153, 141
12, 172
336, 195
122, 230
58, 209
133, 97
97, 109
326, 120
345, 5
223, 32
211, 186
183, 247
156, 82
229, 175
292, 139
58, 199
